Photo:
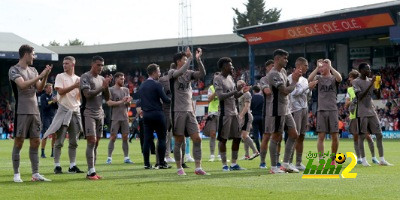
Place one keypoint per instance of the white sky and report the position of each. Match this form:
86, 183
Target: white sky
112, 21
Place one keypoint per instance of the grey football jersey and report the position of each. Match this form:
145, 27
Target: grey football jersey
181, 90
227, 106
327, 92
93, 106
27, 100
279, 102
246, 97
164, 80
365, 107
119, 112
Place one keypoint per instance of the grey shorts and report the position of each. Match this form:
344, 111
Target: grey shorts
301, 118
246, 122
93, 127
185, 123
327, 121
228, 127
353, 127
276, 124
28, 126
122, 125
211, 125
369, 125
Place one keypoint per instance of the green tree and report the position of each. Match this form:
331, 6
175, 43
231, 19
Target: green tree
54, 43
255, 14
75, 42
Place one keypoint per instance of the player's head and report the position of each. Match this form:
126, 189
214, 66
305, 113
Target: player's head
353, 75
256, 89
180, 59
153, 70
324, 66
281, 58
365, 69
27, 54
172, 66
241, 83
69, 64
269, 65
302, 63
97, 65
225, 65
48, 88
119, 78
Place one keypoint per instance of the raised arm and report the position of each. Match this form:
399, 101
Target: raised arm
314, 73
202, 71
335, 73
185, 67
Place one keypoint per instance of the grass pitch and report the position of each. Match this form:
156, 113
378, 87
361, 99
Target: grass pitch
131, 181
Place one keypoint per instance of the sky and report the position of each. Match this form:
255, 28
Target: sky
115, 21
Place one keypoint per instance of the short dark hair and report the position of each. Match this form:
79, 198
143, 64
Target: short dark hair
99, 58
152, 68
362, 66
269, 62
118, 74
280, 52
221, 62
178, 56
24, 49
256, 89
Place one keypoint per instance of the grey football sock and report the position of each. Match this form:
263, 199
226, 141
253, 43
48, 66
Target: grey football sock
379, 143
235, 155
273, 152
15, 159
212, 146
197, 150
183, 150
263, 154
125, 148
246, 149
178, 152
288, 149
34, 157
298, 158
361, 139
90, 155
111, 147
223, 157
291, 156
357, 149
371, 147
168, 143
57, 153
250, 143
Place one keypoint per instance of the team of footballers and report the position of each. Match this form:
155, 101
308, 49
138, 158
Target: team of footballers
80, 101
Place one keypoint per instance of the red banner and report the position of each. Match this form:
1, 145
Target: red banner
323, 28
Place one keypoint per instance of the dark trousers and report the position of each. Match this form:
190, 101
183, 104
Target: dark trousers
154, 121
141, 138
258, 129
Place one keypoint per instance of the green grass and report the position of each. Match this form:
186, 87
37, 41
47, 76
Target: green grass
123, 181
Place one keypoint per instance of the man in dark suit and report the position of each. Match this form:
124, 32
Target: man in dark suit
150, 93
